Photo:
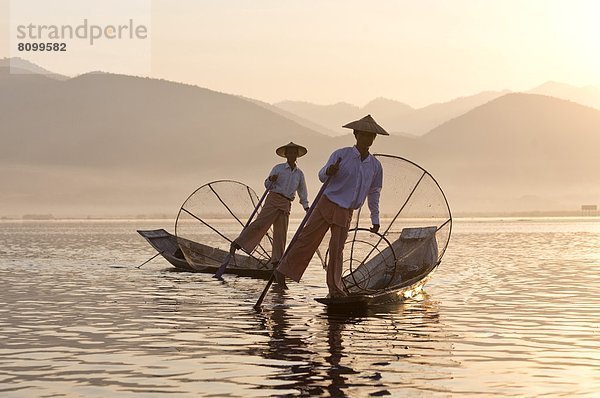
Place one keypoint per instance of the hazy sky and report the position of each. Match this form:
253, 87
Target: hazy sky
416, 52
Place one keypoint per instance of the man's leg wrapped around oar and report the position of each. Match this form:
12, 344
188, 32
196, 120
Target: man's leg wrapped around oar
280, 227
336, 261
275, 212
326, 215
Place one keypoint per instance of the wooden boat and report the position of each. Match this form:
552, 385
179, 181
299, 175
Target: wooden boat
408, 250
166, 244
205, 259
406, 290
387, 278
208, 259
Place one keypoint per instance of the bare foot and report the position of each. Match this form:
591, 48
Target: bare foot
336, 294
280, 279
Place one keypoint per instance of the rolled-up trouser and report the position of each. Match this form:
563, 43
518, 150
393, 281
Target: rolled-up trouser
326, 215
275, 212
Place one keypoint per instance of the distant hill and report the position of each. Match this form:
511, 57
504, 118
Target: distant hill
402, 119
396, 117
292, 116
425, 119
104, 144
333, 117
519, 146
18, 65
330, 117
587, 95
121, 119
120, 141
388, 112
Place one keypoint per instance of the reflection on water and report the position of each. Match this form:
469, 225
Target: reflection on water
352, 353
513, 310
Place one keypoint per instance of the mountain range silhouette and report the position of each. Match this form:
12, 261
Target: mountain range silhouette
113, 144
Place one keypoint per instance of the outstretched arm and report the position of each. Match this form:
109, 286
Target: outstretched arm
373, 198
303, 192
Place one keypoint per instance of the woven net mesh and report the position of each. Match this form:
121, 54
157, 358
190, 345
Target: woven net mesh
211, 218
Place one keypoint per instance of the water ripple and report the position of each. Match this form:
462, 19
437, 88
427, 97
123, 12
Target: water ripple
513, 310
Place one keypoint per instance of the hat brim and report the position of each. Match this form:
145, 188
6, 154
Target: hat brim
301, 150
366, 126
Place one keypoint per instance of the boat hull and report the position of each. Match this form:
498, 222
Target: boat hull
166, 244
407, 290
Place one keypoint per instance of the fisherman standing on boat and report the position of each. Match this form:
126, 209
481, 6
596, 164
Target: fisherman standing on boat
283, 182
358, 176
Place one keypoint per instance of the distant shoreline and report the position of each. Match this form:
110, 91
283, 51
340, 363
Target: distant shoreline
511, 215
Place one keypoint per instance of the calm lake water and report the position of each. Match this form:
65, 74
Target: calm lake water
513, 310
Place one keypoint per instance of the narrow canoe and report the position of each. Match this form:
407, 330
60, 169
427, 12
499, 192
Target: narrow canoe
408, 289
167, 245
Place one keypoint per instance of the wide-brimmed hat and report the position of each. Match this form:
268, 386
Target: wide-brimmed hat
367, 124
281, 150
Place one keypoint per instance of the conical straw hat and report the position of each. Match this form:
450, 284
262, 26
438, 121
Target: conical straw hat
367, 124
281, 150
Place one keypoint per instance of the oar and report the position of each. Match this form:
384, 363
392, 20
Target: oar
151, 258
225, 263
296, 235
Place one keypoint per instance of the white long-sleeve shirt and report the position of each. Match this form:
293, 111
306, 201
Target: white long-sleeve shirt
289, 181
355, 181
